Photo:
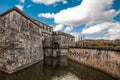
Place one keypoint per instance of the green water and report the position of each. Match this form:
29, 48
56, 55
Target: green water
57, 69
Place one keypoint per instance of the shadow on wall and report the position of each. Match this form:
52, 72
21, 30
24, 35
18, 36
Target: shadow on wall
55, 49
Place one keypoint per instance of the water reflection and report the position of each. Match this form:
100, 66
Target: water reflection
69, 76
57, 69
60, 61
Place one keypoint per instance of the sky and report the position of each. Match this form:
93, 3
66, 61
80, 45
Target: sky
95, 19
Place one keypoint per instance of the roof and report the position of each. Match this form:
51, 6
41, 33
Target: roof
20, 12
23, 14
64, 34
42, 23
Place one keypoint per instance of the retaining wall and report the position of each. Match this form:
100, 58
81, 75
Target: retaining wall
105, 60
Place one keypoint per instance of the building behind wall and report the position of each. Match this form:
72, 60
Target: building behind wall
58, 44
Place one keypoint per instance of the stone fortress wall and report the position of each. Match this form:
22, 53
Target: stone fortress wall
20, 41
58, 44
105, 60
23, 40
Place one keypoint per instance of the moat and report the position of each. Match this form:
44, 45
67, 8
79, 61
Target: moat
59, 68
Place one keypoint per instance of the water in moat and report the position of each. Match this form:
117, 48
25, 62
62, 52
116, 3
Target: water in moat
59, 68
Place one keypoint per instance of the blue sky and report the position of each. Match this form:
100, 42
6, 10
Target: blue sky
96, 19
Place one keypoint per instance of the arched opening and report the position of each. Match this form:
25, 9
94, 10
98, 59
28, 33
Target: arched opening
55, 49
56, 45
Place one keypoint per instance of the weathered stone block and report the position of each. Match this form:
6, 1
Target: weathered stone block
105, 60
20, 41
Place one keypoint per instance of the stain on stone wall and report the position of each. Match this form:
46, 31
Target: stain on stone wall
20, 42
105, 60
57, 44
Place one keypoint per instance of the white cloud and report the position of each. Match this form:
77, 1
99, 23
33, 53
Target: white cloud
49, 2
20, 7
64, 2
98, 13
58, 27
76, 35
88, 11
29, 6
21, 4
46, 15
97, 28
108, 30
22, 1
68, 29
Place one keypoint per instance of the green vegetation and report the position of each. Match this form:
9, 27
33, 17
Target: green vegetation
99, 43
